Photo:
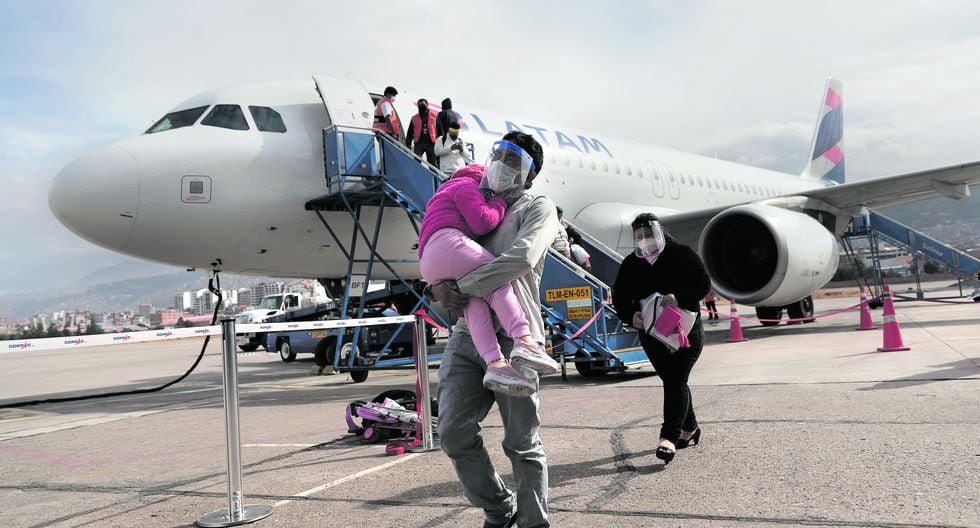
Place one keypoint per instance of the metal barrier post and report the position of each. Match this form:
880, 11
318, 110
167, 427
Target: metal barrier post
423, 399
236, 513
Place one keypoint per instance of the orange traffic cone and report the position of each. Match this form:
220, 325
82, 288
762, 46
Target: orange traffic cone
866, 322
892, 336
735, 330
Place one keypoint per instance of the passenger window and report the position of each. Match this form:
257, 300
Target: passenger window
267, 119
579, 160
226, 116
639, 172
178, 119
564, 159
594, 166
616, 166
605, 166
629, 172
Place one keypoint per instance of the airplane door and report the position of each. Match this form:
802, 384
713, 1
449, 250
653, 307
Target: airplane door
673, 187
656, 180
346, 100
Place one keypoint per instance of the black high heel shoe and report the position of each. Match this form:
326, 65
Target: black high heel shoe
665, 454
695, 438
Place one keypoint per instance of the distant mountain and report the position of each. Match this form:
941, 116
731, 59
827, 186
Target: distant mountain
131, 269
120, 287
952, 221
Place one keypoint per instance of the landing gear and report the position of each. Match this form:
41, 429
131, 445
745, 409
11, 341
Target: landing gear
802, 309
249, 347
774, 314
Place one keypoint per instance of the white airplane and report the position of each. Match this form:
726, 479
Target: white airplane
220, 182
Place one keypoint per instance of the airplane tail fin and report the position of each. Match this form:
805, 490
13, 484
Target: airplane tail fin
826, 162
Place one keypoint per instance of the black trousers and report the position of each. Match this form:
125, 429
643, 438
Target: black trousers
711, 306
674, 369
429, 150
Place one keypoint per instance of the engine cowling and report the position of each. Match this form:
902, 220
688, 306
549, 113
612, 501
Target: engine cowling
767, 256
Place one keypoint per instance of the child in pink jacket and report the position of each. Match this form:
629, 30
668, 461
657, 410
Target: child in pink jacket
454, 216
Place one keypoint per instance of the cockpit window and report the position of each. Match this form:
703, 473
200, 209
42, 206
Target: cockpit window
267, 119
226, 116
178, 119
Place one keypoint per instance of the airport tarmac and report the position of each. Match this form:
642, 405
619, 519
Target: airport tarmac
802, 426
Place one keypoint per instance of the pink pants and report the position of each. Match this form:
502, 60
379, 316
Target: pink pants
450, 254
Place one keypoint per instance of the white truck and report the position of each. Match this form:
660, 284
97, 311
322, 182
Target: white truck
277, 308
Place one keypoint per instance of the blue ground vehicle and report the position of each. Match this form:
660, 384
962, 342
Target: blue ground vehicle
323, 344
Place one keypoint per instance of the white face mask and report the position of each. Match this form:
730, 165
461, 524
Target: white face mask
651, 244
648, 246
499, 177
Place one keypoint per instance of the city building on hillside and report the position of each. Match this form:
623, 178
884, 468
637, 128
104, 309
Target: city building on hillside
264, 289
184, 301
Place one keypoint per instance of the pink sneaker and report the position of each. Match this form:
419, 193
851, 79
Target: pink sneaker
534, 357
508, 380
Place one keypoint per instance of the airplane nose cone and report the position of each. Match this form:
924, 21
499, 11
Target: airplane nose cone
96, 196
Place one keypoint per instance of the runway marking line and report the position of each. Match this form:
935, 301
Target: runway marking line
12, 415
280, 445
348, 478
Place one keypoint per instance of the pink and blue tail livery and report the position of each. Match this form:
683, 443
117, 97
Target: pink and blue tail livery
826, 162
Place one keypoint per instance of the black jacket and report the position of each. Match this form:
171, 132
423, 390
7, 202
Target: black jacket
678, 270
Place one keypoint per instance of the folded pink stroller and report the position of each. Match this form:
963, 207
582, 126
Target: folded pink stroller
390, 415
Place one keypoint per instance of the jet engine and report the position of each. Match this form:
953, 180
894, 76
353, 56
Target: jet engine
767, 256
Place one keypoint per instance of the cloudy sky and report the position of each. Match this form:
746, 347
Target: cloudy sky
739, 80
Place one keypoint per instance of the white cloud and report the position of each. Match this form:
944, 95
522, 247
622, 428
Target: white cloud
738, 79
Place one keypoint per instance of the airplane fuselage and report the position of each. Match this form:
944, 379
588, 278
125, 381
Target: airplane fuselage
251, 217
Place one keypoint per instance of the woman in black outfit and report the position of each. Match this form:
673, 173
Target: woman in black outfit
662, 265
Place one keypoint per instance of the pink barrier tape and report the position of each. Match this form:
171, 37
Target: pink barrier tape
588, 323
801, 319
56, 343
425, 317
319, 325
940, 301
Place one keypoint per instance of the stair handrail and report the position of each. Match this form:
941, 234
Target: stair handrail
595, 241
432, 168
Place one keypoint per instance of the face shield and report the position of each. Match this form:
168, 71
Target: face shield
507, 167
649, 239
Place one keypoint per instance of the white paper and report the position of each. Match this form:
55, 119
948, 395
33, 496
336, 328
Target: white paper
651, 307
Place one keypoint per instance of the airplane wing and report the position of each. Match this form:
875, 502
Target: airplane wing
952, 181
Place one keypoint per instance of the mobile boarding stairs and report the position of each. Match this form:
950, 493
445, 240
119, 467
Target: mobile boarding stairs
369, 169
875, 227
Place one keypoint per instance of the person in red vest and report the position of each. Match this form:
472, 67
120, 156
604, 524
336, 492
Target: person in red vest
385, 118
422, 132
